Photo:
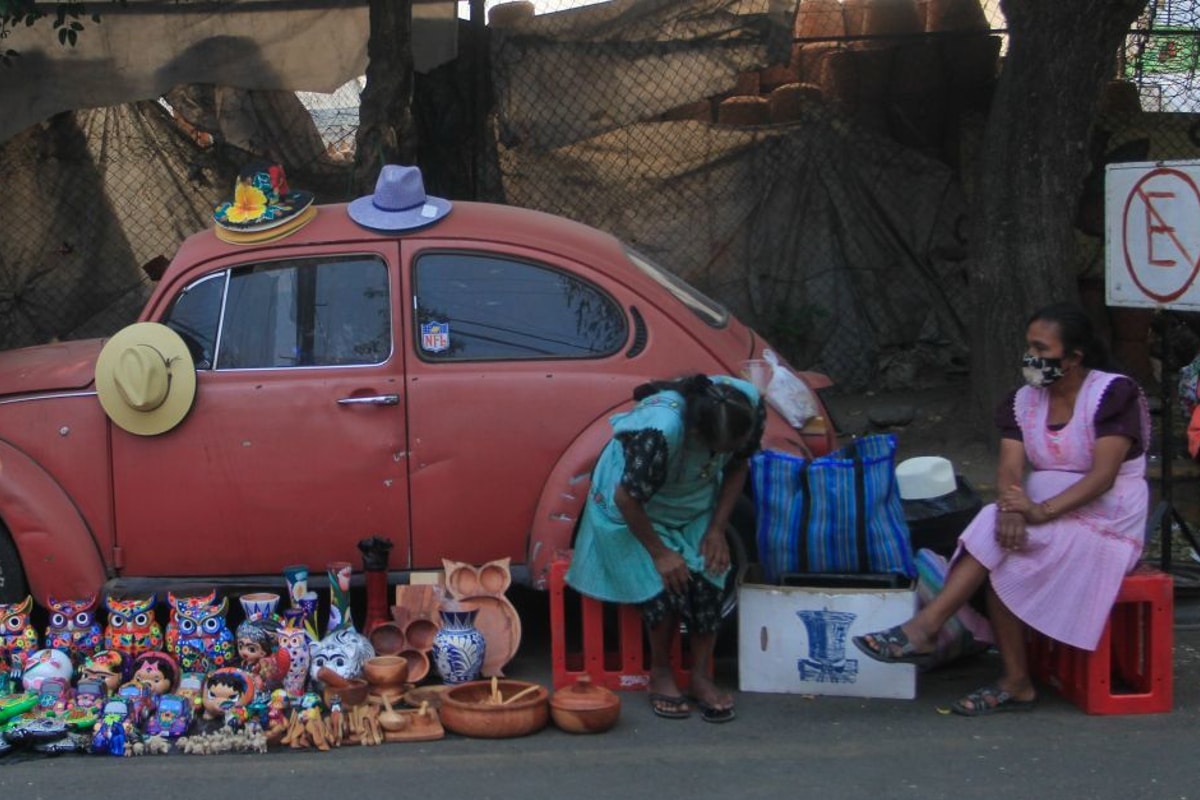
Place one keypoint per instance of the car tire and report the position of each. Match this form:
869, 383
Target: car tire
13, 587
743, 553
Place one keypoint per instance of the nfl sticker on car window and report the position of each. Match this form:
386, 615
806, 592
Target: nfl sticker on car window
435, 336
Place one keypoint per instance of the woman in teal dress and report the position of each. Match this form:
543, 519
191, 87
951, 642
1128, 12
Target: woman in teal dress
653, 528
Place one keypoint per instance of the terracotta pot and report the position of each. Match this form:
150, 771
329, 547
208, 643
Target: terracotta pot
467, 709
585, 707
353, 694
386, 671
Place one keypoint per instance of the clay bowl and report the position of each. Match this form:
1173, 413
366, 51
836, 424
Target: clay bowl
386, 670
419, 633
466, 710
584, 707
418, 665
354, 693
387, 638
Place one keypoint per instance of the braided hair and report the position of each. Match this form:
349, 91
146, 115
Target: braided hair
719, 413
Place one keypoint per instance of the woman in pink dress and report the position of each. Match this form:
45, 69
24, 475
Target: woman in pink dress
1051, 553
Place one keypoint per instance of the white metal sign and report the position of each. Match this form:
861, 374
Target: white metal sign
1152, 235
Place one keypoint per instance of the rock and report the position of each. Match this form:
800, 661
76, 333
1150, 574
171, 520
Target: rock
891, 415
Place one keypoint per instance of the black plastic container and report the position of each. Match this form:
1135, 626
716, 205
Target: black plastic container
936, 523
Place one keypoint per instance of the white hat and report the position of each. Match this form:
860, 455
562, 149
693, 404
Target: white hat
925, 477
146, 379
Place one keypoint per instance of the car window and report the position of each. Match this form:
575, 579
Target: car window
305, 313
700, 304
194, 315
471, 306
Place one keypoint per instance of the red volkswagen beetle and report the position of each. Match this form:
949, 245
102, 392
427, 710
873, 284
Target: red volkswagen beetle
448, 389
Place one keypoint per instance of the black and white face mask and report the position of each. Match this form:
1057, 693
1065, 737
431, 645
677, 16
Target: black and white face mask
1040, 372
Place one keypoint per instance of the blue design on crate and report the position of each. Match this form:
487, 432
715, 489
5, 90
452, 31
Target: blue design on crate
826, 661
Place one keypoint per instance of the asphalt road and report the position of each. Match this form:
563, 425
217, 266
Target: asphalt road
781, 746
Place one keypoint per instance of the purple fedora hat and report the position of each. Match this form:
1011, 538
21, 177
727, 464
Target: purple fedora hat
399, 202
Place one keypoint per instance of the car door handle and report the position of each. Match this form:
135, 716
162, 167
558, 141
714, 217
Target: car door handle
374, 400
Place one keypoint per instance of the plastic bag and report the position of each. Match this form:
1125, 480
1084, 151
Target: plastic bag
787, 394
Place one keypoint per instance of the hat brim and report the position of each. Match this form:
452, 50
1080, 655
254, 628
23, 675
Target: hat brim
271, 234
364, 212
182, 388
289, 206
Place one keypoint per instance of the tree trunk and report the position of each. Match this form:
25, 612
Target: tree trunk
386, 134
1060, 55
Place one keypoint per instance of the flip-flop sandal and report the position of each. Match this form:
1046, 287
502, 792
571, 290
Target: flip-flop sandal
713, 714
893, 647
669, 706
990, 700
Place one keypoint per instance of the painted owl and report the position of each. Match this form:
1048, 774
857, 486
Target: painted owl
294, 641
198, 635
132, 628
73, 628
18, 637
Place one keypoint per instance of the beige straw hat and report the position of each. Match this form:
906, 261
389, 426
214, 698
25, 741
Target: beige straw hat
146, 379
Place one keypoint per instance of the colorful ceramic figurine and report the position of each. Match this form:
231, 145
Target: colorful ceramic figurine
294, 642
227, 692
18, 637
111, 667
43, 665
156, 671
197, 633
344, 651
259, 652
73, 627
132, 627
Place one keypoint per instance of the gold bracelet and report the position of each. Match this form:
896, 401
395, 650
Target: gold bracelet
1047, 509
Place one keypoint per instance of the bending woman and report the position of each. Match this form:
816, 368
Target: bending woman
653, 529
1052, 552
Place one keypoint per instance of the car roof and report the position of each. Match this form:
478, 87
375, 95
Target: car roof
467, 222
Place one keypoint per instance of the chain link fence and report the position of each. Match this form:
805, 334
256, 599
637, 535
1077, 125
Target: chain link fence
807, 163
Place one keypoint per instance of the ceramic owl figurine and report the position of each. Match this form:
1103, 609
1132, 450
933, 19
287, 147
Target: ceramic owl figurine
18, 637
294, 641
73, 628
198, 635
132, 627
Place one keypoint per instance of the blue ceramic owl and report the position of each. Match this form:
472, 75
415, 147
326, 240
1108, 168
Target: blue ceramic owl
73, 628
18, 637
198, 635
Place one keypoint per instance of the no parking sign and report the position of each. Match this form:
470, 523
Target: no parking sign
1152, 232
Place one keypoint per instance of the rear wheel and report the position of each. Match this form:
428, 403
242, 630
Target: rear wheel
13, 587
743, 553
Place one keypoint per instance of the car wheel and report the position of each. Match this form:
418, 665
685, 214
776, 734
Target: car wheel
12, 578
743, 552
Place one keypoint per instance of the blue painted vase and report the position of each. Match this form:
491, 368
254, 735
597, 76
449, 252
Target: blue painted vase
458, 648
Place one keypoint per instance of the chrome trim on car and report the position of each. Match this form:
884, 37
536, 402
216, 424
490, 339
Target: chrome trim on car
47, 396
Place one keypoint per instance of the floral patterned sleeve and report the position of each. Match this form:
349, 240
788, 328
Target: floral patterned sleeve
760, 427
646, 455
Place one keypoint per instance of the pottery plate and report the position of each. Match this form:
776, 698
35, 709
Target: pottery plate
500, 625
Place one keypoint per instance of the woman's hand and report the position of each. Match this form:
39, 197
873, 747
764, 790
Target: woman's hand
715, 550
673, 570
1010, 530
1013, 499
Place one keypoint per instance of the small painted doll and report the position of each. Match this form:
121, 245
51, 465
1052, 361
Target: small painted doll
156, 671
18, 637
132, 627
227, 693
259, 652
294, 641
198, 635
111, 667
73, 628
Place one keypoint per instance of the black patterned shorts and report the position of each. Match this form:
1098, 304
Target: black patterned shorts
699, 606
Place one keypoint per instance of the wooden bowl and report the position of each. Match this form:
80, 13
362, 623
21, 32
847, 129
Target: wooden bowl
466, 709
354, 693
387, 638
585, 708
386, 670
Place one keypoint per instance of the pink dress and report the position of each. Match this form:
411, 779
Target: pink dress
1064, 580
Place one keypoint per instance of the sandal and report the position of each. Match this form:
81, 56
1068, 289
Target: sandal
710, 713
893, 647
990, 700
670, 706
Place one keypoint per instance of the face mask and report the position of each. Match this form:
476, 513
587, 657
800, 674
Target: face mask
1039, 371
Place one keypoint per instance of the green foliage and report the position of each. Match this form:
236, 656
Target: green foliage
68, 21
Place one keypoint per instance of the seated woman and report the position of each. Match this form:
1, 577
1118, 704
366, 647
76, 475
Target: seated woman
1051, 554
653, 529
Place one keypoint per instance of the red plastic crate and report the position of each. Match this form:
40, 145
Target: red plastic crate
1131, 670
613, 650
